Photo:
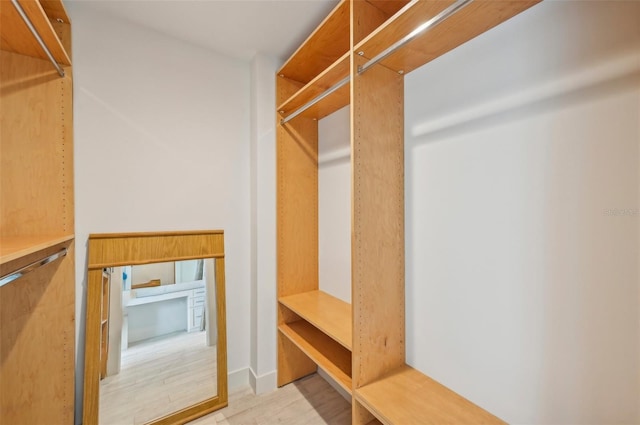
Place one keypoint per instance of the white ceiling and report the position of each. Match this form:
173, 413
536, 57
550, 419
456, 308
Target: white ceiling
238, 28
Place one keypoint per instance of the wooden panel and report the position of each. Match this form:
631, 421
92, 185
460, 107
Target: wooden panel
293, 363
323, 351
37, 349
365, 19
297, 230
323, 47
297, 207
388, 7
332, 75
36, 165
377, 260
12, 248
123, 249
16, 37
92, 346
327, 313
285, 88
476, 18
54, 9
408, 396
360, 415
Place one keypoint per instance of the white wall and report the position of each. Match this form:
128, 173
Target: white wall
522, 197
162, 128
263, 224
521, 288
146, 272
334, 199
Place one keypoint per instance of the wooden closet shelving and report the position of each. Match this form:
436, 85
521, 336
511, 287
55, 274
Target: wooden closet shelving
37, 301
324, 81
362, 346
16, 247
473, 20
17, 38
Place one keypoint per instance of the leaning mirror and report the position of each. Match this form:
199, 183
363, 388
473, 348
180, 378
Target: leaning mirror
155, 328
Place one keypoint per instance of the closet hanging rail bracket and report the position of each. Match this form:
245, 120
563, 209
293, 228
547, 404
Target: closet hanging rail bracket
316, 99
39, 39
440, 17
30, 267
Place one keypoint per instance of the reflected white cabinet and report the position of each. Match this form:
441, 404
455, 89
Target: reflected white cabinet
196, 310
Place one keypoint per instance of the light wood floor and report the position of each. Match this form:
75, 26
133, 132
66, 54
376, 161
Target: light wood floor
158, 377
308, 401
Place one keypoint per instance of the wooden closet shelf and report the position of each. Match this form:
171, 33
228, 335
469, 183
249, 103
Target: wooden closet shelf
330, 356
408, 396
328, 78
327, 313
12, 248
471, 21
16, 37
323, 47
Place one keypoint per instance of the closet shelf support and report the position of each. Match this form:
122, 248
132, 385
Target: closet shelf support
30, 267
440, 17
36, 35
316, 99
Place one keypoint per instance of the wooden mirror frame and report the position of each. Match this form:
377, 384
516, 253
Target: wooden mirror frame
130, 249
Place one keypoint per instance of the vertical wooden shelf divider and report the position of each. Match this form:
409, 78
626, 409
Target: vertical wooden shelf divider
385, 390
37, 309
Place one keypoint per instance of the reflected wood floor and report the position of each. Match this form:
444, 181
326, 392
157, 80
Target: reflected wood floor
308, 401
157, 377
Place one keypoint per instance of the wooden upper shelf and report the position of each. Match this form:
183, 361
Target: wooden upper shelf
16, 37
474, 19
407, 396
324, 46
12, 248
327, 313
328, 78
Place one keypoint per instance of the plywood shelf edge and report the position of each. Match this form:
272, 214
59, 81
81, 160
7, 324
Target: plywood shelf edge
329, 314
13, 248
328, 355
407, 395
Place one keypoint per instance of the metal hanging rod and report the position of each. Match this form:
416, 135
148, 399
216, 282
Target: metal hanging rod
35, 33
30, 267
316, 99
445, 14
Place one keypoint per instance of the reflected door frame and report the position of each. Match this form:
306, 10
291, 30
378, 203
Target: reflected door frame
123, 249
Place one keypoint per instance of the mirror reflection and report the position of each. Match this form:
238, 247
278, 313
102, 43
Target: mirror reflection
159, 354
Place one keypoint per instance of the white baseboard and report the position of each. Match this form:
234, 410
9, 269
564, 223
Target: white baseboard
334, 384
238, 379
263, 383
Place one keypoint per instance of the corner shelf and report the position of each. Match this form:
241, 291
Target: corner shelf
329, 314
16, 247
330, 356
16, 37
476, 18
326, 44
407, 396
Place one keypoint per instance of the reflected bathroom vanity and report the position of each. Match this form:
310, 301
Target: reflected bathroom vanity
156, 333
